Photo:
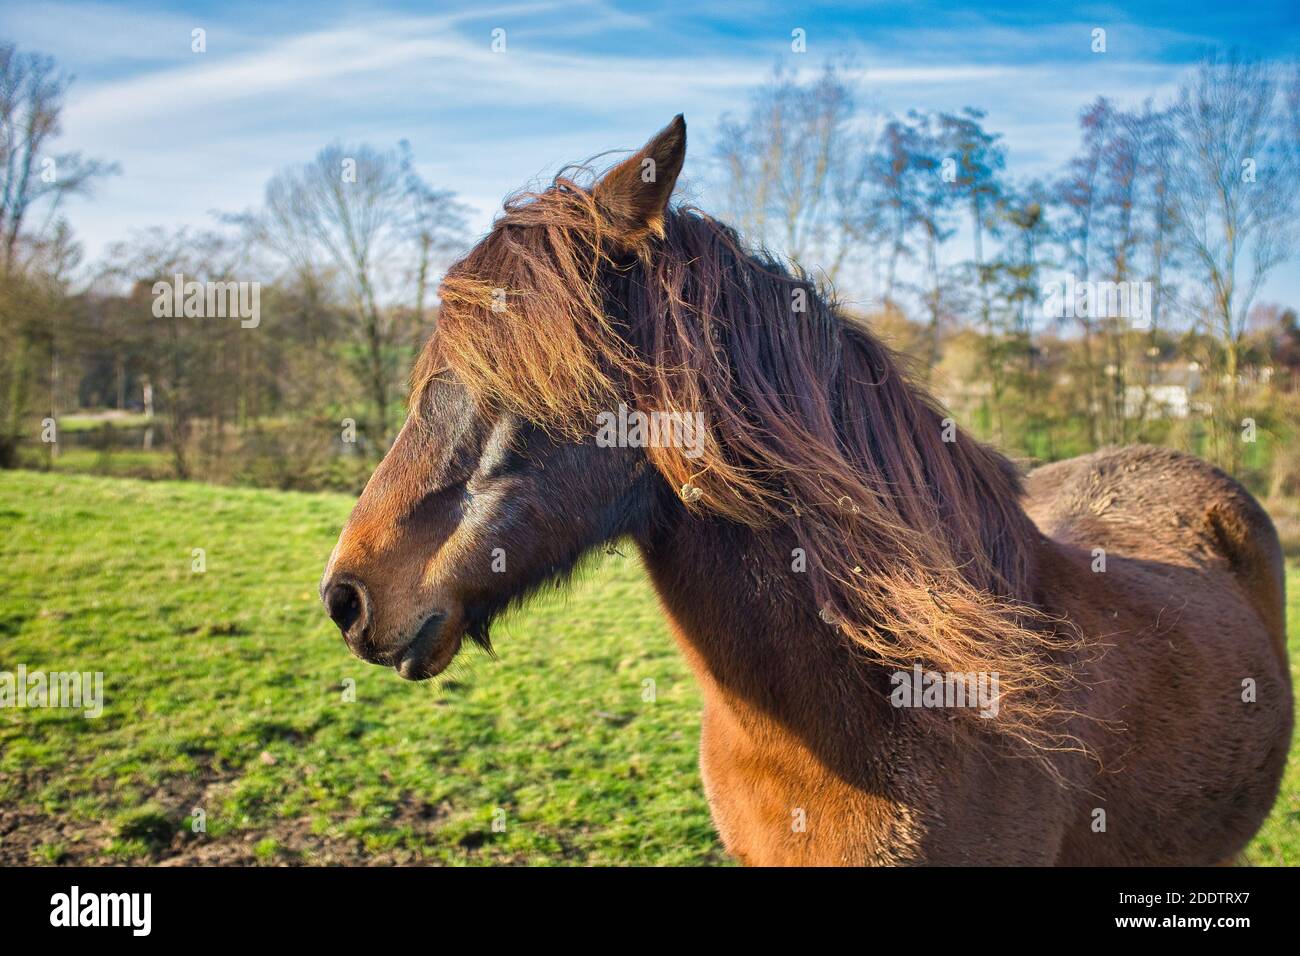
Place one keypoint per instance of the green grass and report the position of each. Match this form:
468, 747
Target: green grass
154, 464
225, 692
95, 422
226, 700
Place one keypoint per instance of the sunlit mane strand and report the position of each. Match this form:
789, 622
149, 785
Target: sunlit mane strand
917, 547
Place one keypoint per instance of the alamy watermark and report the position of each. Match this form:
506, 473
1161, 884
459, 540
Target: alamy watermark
208, 300
922, 688
76, 690
632, 429
1088, 299
133, 911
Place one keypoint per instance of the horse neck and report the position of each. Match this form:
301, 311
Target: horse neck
747, 627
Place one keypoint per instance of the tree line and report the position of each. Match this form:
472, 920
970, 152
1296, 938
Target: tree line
1114, 300
1172, 214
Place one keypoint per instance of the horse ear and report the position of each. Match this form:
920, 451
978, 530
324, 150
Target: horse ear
634, 194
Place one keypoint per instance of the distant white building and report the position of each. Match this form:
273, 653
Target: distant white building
1168, 396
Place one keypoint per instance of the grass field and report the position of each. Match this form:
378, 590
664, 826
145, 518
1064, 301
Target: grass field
227, 691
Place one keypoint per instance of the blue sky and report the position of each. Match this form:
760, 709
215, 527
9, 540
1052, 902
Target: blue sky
201, 132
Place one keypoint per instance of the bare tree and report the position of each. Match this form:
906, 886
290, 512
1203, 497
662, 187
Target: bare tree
1236, 163
347, 219
934, 198
32, 179
894, 175
979, 158
795, 171
31, 100
1079, 197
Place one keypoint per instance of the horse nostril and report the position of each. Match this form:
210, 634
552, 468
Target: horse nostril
347, 607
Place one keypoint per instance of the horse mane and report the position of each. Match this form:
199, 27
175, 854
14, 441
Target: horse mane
916, 545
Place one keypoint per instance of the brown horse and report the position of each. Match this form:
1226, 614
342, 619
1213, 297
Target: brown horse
845, 571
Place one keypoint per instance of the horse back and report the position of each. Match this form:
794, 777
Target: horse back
1176, 572
1162, 505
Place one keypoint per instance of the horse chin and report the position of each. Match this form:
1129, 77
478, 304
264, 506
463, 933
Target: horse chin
431, 650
